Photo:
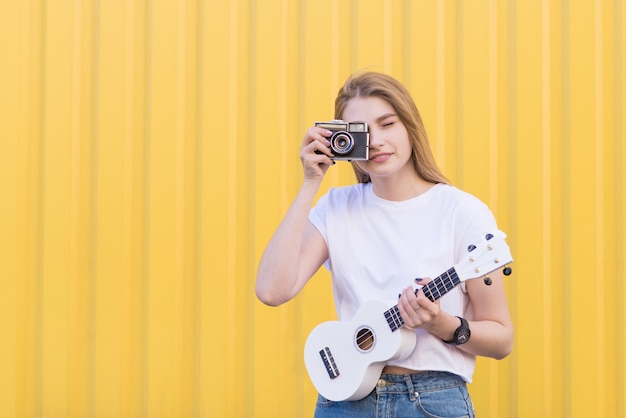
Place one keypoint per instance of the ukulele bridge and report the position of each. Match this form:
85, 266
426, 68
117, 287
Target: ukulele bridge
329, 363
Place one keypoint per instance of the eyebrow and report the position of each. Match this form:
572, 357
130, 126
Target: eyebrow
385, 116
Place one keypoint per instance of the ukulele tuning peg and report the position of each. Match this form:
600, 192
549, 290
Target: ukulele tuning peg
471, 248
488, 236
507, 271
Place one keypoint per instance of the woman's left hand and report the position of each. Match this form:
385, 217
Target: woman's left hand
417, 310
492, 329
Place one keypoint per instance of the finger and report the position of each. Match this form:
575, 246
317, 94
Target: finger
406, 314
315, 164
411, 299
408, 306
428, 308
421, 283
317, 134
315, 142
316, 149
425, 303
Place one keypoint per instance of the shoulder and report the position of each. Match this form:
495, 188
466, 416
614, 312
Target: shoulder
452, 196
467, 212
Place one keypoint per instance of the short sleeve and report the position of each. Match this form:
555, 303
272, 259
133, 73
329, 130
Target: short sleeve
317, 216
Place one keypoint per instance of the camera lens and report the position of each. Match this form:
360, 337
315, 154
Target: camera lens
341, 143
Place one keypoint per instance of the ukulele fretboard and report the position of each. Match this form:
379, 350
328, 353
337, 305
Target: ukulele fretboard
433, 291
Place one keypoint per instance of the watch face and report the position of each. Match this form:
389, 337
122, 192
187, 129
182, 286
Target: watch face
463, 336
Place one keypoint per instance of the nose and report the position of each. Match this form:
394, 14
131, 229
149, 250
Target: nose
376, 139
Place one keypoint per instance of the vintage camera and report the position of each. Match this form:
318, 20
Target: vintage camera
349, 140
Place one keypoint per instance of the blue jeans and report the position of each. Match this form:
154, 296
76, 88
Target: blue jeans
429, 394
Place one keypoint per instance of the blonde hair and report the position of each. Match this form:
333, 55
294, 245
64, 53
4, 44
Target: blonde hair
375, 84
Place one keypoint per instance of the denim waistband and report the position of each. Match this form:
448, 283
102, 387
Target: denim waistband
421, 382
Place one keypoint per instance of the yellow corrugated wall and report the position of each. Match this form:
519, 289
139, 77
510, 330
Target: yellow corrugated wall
148, 149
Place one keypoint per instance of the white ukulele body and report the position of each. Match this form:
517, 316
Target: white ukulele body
356, 351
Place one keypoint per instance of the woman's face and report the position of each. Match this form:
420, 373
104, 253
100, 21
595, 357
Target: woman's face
390, 149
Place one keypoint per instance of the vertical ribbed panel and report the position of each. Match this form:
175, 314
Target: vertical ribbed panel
149, 149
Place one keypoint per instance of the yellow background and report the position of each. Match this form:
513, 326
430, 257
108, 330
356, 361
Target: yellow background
148, 149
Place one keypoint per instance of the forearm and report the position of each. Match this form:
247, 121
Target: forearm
488, 338
278, 275
491, 326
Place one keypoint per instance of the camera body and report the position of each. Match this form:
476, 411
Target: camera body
349, 141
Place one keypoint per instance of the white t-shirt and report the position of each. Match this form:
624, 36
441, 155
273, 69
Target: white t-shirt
378, 247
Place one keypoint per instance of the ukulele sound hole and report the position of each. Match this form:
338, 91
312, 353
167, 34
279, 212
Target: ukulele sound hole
365, 339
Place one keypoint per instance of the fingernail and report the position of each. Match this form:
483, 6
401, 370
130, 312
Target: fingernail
399, 294
418, 280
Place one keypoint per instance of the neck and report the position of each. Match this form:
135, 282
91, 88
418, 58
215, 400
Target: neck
397, 190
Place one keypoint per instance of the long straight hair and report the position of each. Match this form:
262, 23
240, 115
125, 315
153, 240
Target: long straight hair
373, 84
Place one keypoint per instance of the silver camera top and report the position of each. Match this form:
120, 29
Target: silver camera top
338, 124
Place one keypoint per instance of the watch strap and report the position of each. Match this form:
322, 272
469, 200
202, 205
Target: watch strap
461, 334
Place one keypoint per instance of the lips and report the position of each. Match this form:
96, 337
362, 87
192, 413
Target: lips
381, 157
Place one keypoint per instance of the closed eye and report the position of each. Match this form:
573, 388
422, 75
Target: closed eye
386, 120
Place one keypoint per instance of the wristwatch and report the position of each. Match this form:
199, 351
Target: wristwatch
461, 334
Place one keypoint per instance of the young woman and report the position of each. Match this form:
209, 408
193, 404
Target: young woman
402, 220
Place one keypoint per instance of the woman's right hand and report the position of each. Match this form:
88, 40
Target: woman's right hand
315, 153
